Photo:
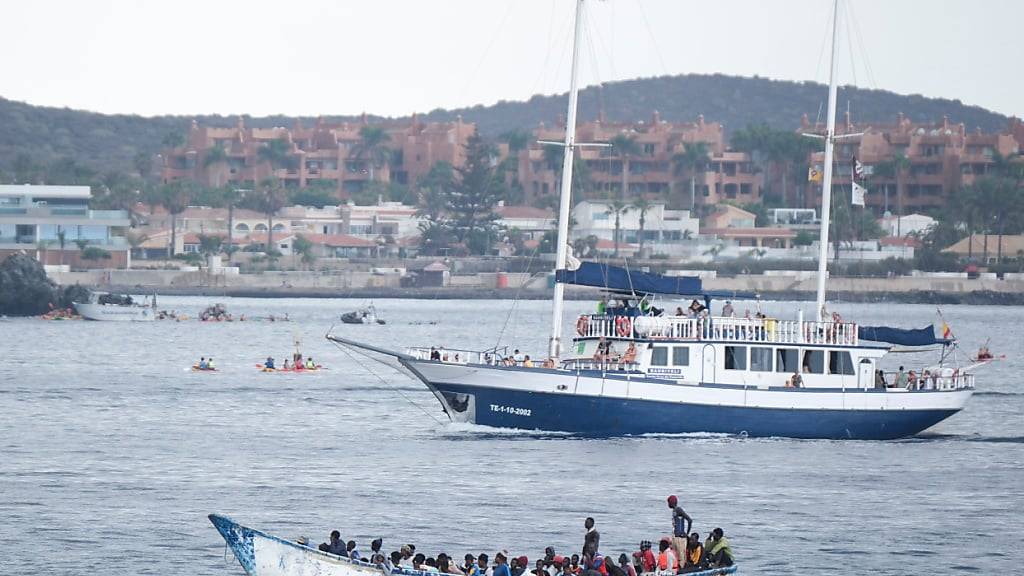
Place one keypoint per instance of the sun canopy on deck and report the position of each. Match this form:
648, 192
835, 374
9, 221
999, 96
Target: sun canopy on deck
619, 279
900, 336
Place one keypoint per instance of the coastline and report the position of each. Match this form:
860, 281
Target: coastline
973, 297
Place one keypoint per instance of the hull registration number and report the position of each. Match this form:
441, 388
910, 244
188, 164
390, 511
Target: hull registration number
511, 410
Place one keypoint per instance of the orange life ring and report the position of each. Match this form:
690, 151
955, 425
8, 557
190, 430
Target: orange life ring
623, 326
581, 325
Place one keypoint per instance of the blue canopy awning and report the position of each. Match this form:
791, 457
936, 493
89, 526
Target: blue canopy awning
620, 279
901, 336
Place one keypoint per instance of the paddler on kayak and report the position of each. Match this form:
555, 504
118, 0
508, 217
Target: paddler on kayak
269, 364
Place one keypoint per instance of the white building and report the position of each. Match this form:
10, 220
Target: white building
36, 218
662, 227
917, 224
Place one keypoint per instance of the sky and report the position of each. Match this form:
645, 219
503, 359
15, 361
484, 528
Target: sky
396, 57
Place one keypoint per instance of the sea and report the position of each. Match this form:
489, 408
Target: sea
112, 452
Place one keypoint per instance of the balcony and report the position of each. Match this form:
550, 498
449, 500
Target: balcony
63, 215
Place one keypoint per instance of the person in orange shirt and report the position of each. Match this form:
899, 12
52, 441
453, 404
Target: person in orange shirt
667, 561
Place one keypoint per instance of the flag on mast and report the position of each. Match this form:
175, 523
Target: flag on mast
857, 173
857, 199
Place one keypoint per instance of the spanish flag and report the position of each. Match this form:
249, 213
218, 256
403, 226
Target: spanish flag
946, 332
814, 174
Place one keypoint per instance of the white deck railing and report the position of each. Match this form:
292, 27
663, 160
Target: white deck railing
945, 379
767, 330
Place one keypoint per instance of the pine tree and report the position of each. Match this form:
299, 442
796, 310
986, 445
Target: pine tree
478, 188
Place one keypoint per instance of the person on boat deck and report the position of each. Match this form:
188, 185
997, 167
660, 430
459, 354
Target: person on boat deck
375, 547
681, 524
352, 552
310, 364
396, 560
269, 364
727, 310
517, 357
417, 561
406, 554
913, 382
518, 565
602, 304
667, 562
574, 562
549, 562
719, 552
435, 354
879, 379
795, 381
604, 350
481, 568
592, 539
626, 566
901, 379
501, 565
629, 356
539, 569
647, 560
336, 545
679, 311
469, 562
694, 554
527, 363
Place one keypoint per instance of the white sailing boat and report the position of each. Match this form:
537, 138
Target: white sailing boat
631, 372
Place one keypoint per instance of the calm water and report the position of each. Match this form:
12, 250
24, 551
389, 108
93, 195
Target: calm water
112, 454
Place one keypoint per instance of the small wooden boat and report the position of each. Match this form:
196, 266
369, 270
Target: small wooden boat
262, 554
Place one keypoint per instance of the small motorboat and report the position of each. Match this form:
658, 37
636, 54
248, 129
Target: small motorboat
116, 307
365, 315
262, 554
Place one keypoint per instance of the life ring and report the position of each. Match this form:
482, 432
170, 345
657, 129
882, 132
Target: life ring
581, 325
623, 326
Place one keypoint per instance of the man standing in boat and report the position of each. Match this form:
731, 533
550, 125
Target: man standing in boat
681, 525
591, 540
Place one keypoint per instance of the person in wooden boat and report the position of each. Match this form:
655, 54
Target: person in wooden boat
353, 553
336, 545
626, 566
667, 561
648, 562
591, 539
681, 525
718, 550
695, 558
501, 565
517, 566
481, 568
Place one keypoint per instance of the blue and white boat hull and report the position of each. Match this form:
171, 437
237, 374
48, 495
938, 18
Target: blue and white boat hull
618, 404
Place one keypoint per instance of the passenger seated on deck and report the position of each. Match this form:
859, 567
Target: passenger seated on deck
603, 349
352, 552
336, 545
549, 363
481, 568
795, 381
629, 356
719, 553
912, 380
900, 380
527, 363
501, 565
647, 560
679, 311
694, 554
879, 379
667, 562
626, 566
435, 354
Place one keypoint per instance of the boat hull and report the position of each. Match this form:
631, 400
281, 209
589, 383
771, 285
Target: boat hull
612, 405
109, 313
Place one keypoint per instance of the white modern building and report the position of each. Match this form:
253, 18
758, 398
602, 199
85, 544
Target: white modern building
661, 225
39, 219
917, 224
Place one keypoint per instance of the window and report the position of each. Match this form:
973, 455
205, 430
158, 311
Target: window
761, 359
786, 360
814, 362
735, 357
839, 362
681, 356
659, 356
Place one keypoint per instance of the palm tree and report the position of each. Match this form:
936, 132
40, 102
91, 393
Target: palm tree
690, 161
175, 198
135, 239
304, 248
617, 208
277, 153
896, 167
642, 205
372, 148
271, 198
554, 156
227, 197
215, 155
624, 147
62, 239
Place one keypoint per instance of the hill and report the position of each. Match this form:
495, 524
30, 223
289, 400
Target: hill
110, 142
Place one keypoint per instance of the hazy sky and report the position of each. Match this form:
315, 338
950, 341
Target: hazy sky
394, 57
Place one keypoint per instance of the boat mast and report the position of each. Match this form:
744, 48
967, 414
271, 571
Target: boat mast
826, 182
555, 344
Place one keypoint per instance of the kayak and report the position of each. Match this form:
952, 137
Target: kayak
263, 368
196, 368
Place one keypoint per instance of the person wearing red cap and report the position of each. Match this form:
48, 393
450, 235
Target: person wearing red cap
519, 565
681, 524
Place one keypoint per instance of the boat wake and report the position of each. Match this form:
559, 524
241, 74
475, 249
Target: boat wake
468, 431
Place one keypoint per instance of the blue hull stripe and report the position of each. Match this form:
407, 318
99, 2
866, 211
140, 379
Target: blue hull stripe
605, 416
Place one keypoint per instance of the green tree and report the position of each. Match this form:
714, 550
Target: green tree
617, 208
582, 183
175, 198
641, 205
270, 197
624, 147
304, 248
210, 244
316, 196
277, 153
896, 168
229, 197
434, 188
62, 240
95, 253
372, 148
692, 161
173, 139
214, 156
476, 191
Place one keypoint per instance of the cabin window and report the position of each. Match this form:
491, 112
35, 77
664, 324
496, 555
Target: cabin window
787, 360
735, 357
839, 362
681, 356
659, 356
761, 359
813, 362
